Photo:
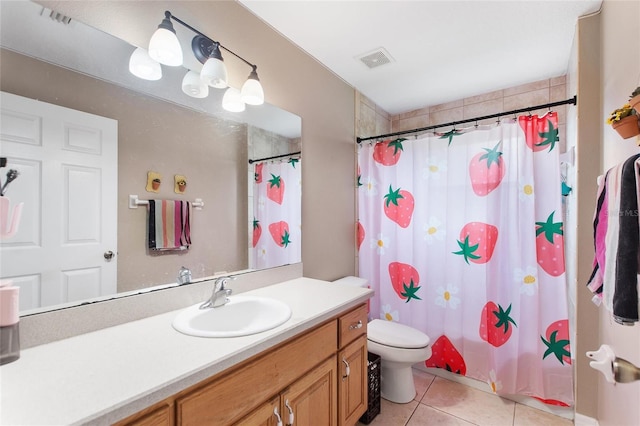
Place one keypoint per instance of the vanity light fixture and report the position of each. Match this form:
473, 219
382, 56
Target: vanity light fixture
193, 85
143, 66
214, 72
232, 100
164, 48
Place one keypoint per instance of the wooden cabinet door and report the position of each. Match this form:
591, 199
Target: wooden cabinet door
264, 415
352, 381
313, 398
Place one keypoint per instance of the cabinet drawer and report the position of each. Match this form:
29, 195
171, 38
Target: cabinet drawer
352, 324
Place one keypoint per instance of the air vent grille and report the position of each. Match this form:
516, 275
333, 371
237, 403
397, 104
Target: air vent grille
55, 16
376, 58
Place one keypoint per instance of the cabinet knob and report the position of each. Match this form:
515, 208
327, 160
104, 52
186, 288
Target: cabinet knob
356, 325
347, 369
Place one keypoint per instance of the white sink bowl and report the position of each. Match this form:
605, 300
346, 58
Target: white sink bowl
241, 316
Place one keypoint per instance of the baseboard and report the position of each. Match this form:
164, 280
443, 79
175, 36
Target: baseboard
582, 420
567, 413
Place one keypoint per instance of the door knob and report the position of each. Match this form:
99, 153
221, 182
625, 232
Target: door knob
108, 255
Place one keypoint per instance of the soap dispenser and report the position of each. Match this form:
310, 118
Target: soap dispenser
9, 322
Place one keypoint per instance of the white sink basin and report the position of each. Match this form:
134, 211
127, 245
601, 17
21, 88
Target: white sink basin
241, 316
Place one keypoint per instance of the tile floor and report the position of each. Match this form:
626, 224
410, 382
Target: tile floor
443, 402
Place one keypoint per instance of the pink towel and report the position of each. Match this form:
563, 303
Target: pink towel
169, 225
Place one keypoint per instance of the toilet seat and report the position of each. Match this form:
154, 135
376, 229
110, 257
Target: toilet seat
396, 335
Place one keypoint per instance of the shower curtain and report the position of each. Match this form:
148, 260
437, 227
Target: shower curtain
461, 236
277, 216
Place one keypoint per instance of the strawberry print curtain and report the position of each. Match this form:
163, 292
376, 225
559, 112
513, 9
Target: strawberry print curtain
276, 227
461, 236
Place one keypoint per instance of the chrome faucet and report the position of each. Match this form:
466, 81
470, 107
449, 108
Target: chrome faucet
220, 293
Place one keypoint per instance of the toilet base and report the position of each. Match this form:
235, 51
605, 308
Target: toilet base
396, 382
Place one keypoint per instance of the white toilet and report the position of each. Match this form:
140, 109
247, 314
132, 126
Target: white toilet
399, 347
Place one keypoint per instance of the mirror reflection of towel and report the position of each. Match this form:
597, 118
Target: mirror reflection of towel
169, 225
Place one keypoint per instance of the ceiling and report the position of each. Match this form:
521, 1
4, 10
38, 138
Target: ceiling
440, 51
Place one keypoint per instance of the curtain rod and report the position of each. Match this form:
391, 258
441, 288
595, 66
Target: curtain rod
274, 157
572, 101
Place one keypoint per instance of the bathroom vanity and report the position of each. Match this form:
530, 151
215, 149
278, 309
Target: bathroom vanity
313, 367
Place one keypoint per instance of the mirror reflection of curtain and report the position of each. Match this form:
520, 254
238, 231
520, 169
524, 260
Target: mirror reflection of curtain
277, 216
461, 237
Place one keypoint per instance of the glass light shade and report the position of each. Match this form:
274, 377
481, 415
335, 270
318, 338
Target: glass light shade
193, 86
164, 47
142, 66
252, 92
214, 73
231, 101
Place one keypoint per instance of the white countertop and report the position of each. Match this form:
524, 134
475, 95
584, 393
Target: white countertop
107, 375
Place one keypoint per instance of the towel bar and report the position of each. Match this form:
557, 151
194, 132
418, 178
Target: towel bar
134, 202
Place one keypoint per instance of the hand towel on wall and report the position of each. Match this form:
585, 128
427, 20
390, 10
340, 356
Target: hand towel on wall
169, 225
617, 241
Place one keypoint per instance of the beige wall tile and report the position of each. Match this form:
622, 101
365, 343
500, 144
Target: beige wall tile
555, 81
415, 112
558, 93
383, 124
367, 101
367, 121
382, 112
447, 115
498, 94
526, 99
529, 87
448, 105
412, 123
483, 108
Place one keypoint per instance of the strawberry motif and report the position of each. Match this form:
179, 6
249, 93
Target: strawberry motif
398, 206
280, 233
445, 355
293, 162
405, 280
477, 242
360, 234
387, 153
494, 324
257, 175
552, 402
486, 170
540, 132
550, 246
275, 189
450, 134
257, 231
557, 341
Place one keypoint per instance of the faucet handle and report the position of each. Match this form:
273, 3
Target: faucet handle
223, 281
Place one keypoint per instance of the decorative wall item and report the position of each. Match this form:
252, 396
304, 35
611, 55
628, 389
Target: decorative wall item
634, 100
624, 120
180, 184
154, 180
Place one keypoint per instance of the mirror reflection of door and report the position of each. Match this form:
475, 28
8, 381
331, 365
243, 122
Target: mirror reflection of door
67, 164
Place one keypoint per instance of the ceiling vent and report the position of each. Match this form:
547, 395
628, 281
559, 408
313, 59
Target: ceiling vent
376, 58
55, 16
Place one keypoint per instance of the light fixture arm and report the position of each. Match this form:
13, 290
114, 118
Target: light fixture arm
168, 14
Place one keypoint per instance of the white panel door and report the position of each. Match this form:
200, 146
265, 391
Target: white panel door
68, 183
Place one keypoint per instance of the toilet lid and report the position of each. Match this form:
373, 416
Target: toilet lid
391, 333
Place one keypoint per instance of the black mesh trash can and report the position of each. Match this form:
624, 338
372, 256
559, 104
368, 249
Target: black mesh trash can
373, 373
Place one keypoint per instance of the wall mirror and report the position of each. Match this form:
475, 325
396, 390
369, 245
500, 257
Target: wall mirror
158, 129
